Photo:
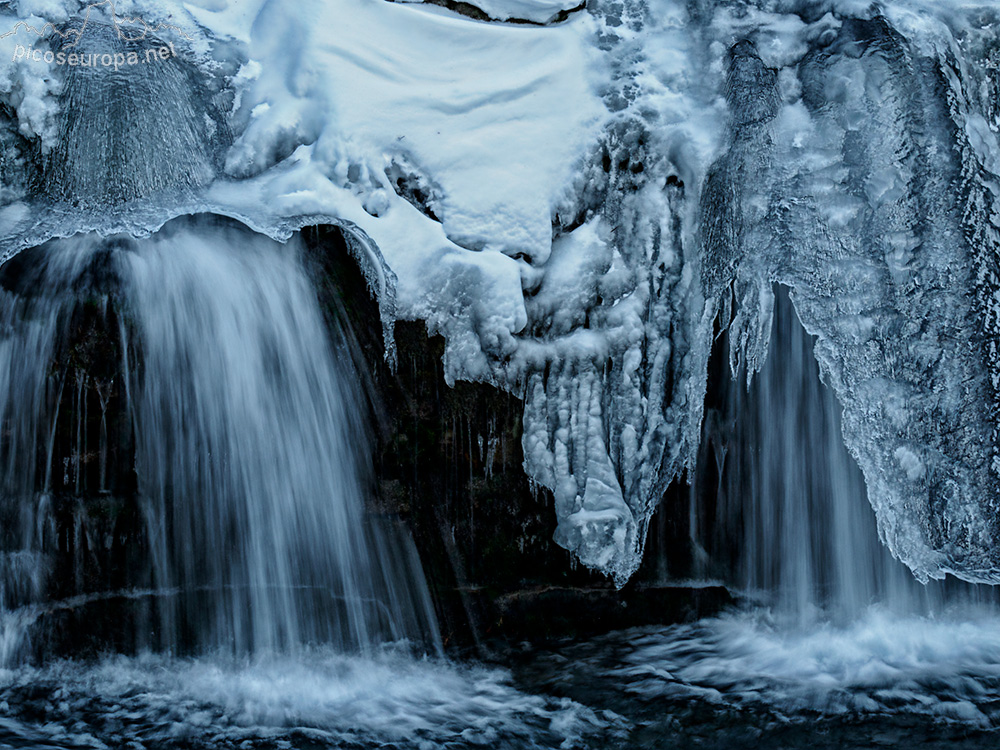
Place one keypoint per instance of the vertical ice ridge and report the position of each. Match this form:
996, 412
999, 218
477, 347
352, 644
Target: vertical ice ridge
613, 406
736, 223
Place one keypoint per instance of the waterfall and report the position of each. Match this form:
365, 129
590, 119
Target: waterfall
250, 452
780, 508
832, 635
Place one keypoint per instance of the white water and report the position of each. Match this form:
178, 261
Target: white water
834, 644
881, 663
262, 562
831, 622
250, 452
321, 699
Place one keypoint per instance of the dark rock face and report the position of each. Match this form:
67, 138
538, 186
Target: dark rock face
80, 495
449, 464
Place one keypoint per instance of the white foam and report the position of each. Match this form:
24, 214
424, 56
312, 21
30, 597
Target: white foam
324, 696
947, 667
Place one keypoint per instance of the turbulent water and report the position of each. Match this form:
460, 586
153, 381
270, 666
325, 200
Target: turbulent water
750, 680
833, 636
324, 699
832, 626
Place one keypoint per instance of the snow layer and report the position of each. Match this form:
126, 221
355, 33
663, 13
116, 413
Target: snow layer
479, 125
579, 207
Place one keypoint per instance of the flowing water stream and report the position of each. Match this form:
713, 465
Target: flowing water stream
249, 448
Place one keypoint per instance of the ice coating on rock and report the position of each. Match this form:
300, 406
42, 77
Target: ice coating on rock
857, 165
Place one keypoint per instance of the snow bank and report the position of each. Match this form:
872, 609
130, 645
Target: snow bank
356, 101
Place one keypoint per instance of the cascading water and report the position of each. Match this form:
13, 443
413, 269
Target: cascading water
250, 456
790, 503
249, 443
186, 558
251, 538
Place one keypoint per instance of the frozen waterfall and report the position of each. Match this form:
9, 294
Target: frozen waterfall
848, 153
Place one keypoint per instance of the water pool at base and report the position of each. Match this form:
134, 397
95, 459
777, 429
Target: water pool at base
741, 680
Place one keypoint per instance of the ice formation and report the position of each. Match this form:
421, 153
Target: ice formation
579, 203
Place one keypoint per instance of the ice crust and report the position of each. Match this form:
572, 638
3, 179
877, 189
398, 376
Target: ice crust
578, 208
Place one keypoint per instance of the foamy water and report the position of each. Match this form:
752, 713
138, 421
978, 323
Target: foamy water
732, 681
323, 699
880, 664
